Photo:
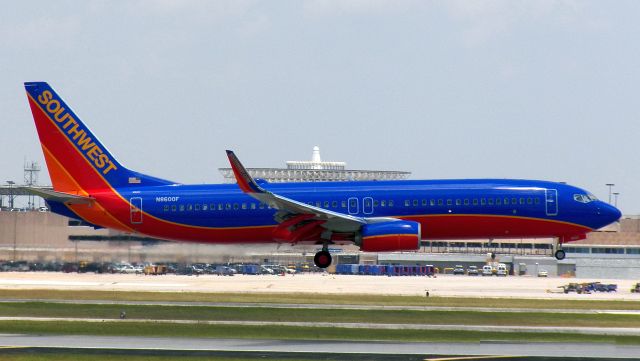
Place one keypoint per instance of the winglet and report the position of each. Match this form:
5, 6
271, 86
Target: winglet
246, 183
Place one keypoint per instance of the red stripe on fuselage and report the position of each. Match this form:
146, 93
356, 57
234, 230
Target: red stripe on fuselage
469, 226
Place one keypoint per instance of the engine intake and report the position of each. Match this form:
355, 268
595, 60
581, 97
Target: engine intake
390, 236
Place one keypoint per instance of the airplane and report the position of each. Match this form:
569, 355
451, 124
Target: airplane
89, 184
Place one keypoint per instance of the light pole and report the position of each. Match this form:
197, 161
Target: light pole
609, 185
615, 198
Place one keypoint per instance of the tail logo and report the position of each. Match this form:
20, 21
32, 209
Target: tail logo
73, 129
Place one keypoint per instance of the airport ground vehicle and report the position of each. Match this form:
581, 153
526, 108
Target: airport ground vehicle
155, 270
636, 288
89, 184
487, 270
472, 271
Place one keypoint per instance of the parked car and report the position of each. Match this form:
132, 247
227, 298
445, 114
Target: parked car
543, 273
472, 271
487, 270
458, 270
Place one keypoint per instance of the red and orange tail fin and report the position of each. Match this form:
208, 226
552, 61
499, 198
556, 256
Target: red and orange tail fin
76, 160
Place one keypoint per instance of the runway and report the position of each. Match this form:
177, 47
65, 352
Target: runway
347, 347
321, 284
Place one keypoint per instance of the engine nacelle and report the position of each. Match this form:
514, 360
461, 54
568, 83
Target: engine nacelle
390, 236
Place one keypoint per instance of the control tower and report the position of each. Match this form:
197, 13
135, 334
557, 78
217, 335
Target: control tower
316, 170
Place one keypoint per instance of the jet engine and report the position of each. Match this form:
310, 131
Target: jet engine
389, 236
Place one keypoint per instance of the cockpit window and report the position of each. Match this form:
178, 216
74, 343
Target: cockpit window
584, 198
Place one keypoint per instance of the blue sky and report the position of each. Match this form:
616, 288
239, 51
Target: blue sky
444, 89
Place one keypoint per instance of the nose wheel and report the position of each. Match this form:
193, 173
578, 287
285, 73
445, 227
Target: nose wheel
322, 259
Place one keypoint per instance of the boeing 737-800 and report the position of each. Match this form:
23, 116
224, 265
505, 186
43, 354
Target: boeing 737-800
89, 184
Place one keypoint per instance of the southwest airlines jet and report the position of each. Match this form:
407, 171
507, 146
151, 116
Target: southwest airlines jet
89, 184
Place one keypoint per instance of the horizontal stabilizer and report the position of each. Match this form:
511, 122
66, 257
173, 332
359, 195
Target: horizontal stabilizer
61, 197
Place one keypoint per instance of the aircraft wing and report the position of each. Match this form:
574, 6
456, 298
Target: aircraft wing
61, 197
295, 212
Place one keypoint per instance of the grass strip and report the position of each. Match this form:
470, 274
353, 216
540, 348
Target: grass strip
294, 333
202, 313
323, 299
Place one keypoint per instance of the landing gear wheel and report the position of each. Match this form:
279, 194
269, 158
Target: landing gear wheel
322, 259
560, 255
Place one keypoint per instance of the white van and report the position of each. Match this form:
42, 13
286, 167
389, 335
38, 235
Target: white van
487, 270
502, 270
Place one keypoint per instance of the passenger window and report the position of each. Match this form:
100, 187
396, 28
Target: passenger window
466, 201
219, 206
498, 201
391, 203
537, 200
432, 202
483, 201
334, 204
424, 202
440, 202
458, 202
204, 207
227, 206
506, 201
529, 200
406, 203
326, 204
244, 206
521, 200
261, 206
166, 208
415, 202
514, 201
318, 204
490, 201
190, 207
182, 208
253, 206
343, 204
173, 208
475, 201
197, 207
236, 206
376, 203
383, 203
449, 202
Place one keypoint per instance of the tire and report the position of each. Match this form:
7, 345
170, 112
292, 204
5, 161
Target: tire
560, 255
322, 259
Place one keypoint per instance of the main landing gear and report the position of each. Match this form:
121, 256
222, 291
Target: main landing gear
560, 255
322, 259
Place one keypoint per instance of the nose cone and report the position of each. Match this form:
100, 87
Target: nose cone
608, 213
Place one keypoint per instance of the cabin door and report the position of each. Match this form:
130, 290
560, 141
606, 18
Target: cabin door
136, 210
551, 202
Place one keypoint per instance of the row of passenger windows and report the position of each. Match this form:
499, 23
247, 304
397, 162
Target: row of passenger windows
212, 207
237, 206
353, 204
475, 201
